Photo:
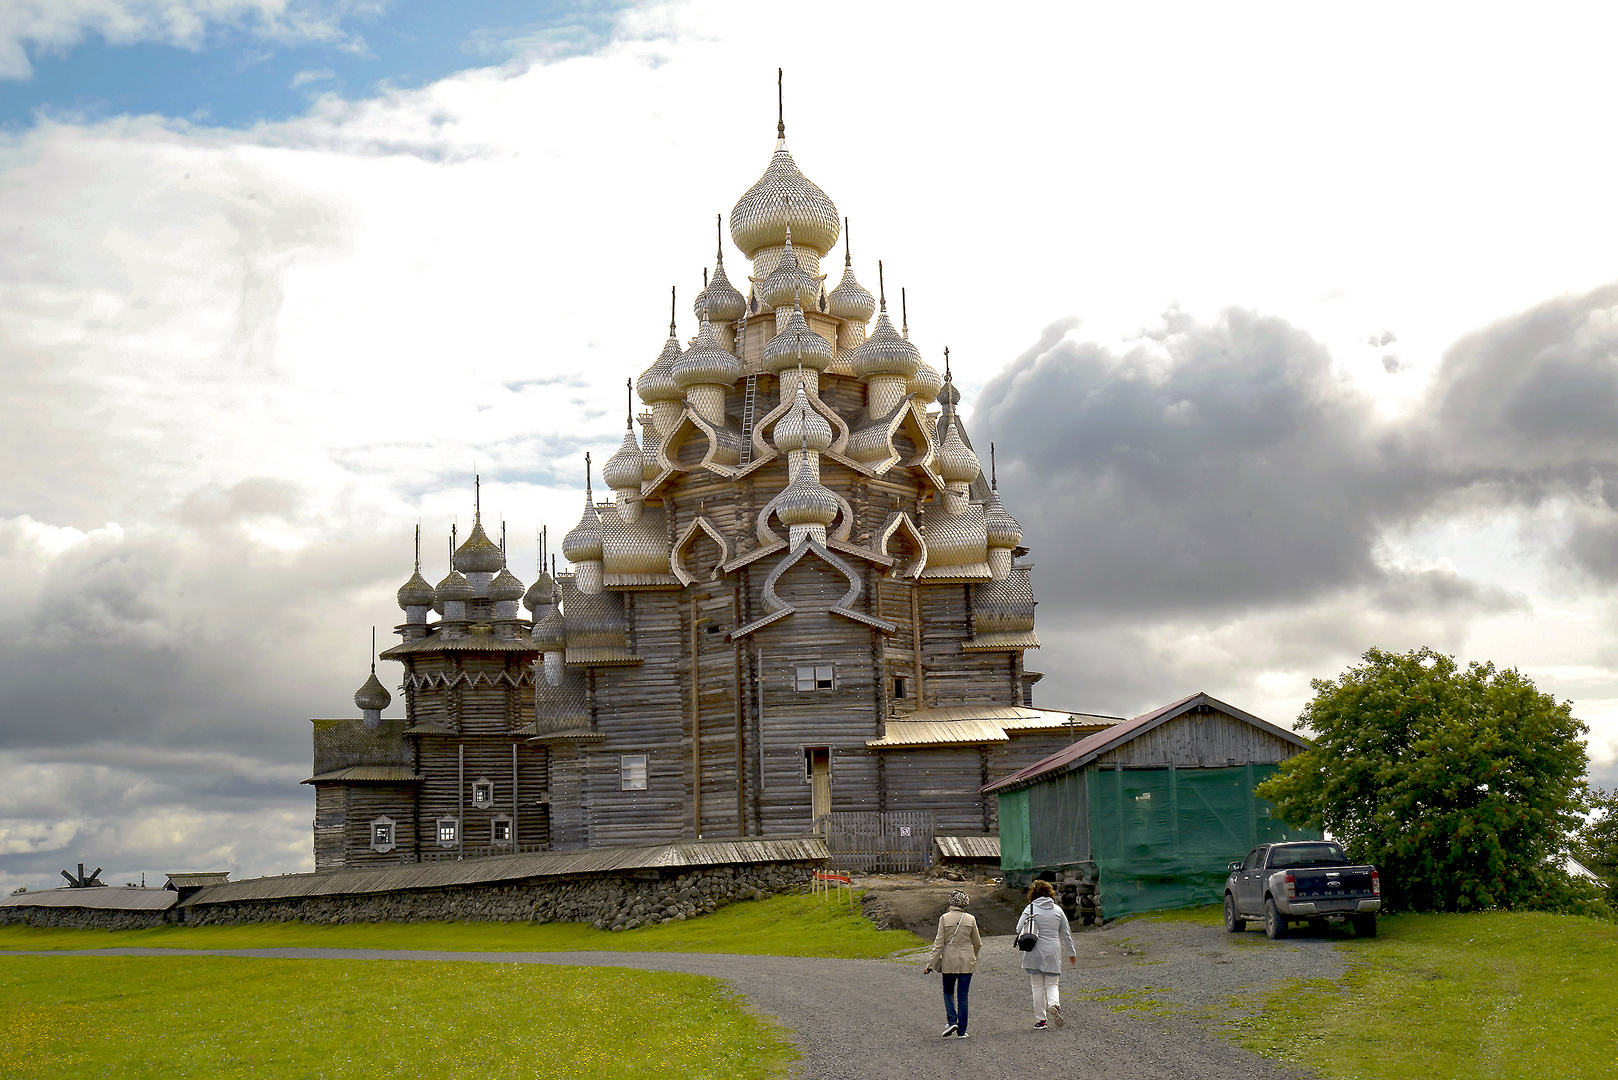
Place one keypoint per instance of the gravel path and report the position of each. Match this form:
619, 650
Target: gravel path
868, 1019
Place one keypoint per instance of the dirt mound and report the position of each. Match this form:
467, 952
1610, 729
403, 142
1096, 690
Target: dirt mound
910, 902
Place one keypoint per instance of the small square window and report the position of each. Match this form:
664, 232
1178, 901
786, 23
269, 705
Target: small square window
632, 772
483, 793
817, 677
502, 831
449, 831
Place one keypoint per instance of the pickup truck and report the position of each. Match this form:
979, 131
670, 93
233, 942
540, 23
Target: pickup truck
1281, 883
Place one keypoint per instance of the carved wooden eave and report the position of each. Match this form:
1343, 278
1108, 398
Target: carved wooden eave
780, 609
722, 456
698, 526
900, 522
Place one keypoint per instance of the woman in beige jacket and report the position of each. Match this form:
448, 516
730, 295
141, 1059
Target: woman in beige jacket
955, 954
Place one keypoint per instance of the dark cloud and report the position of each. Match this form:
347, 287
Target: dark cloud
1205, 466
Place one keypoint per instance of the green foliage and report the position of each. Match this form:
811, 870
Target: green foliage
1462, 787
790, 925
1501, 994
217, 1017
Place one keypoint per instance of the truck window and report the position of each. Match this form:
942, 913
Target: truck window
1254, 859
1291, 855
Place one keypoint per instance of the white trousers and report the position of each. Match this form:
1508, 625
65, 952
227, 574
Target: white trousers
1047, 992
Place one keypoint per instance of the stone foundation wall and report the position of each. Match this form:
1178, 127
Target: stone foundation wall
83, 918
607, 902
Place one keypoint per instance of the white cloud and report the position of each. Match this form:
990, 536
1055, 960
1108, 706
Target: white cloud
57, 25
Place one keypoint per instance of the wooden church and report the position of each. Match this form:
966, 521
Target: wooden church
802, 598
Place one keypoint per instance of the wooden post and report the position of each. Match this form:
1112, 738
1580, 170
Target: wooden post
514, 810
460, 800
915, 643
741, 719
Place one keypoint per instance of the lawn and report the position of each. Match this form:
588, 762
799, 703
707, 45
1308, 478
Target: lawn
221, 1017
1496, 995
788, 925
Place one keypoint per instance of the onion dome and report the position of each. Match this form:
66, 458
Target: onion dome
505, 586
623, 471
783, 198
550, 633
453, 587
540, 593
720, 299
373, 696
949, 397
478, 554
796, 345
885, 352
657, 382
957, 464
850, 300
583, 544
705, 363
1003, 530
788, 283
806, 501
416, 592
802, 428
926, 383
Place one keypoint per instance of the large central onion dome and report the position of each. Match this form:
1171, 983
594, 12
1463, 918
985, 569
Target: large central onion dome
885, 353
479, 554
796, 345
783, 198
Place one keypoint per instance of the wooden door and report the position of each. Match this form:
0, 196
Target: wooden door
819, 782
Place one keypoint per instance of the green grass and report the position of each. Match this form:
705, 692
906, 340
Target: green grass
1207, 915
1491, 996
789, 925
222, 1017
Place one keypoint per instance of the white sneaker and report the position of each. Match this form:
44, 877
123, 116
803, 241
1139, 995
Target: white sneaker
963, 1035
1055, 1012
947, 1032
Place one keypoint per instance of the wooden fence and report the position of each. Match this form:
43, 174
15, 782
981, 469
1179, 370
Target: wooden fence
878, 842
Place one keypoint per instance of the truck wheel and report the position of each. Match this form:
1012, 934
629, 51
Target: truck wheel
1365, 926
1275, 926
1233, 924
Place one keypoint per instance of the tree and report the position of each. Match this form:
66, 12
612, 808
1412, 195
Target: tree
1462, 787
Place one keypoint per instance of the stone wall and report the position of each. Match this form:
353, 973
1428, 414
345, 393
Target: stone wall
75, 918
607, 902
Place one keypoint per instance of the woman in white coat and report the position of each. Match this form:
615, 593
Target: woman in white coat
955, 954
1046, 921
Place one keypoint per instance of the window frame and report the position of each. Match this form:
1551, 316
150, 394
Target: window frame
383, 846
625, 775
901, 684
483, 793
494, 830
814, 677
454, 837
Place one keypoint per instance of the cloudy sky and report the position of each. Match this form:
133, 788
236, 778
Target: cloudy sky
1295, 327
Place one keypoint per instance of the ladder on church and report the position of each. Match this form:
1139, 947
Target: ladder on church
748, 402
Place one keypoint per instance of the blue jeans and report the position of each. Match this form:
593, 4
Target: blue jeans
956, 987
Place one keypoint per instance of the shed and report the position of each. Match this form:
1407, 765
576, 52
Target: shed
110, 907
1148, 813
189, 883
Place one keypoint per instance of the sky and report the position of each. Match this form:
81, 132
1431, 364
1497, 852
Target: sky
1296, 329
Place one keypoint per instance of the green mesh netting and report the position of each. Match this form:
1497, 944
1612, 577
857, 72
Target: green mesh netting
1163, 838
1014, 850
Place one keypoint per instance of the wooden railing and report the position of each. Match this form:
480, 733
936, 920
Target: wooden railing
482, 852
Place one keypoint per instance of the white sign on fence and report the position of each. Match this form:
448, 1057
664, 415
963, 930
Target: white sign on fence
904, 830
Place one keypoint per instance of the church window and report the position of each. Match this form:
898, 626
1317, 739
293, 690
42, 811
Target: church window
382, 833
483, 793
632, 772
817, 677
501, 832
449, 831
898, 686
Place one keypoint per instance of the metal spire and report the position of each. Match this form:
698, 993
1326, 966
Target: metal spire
587, 476
780, 106
848, 258
373, 650
418, 547
904, 315
629, 388
994, 482
477, 498
671, 311
882, 289
719, 229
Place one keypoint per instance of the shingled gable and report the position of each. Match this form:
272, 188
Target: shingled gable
1091, 747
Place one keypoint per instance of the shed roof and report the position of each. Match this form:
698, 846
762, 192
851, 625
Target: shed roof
452, 872
195, 879
1091, 747
968, 847
104, 898
971, 725
372, 774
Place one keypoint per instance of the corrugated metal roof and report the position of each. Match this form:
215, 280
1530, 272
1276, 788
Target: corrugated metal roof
110, 898
354, 774
962, 725
479, 637
438, 875
1091, 747
189, 880
600, 656
968, 847
1006, 640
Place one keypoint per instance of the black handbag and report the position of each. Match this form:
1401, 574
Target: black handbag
1026, 942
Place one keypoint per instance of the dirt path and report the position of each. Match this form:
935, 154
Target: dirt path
868, 1019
